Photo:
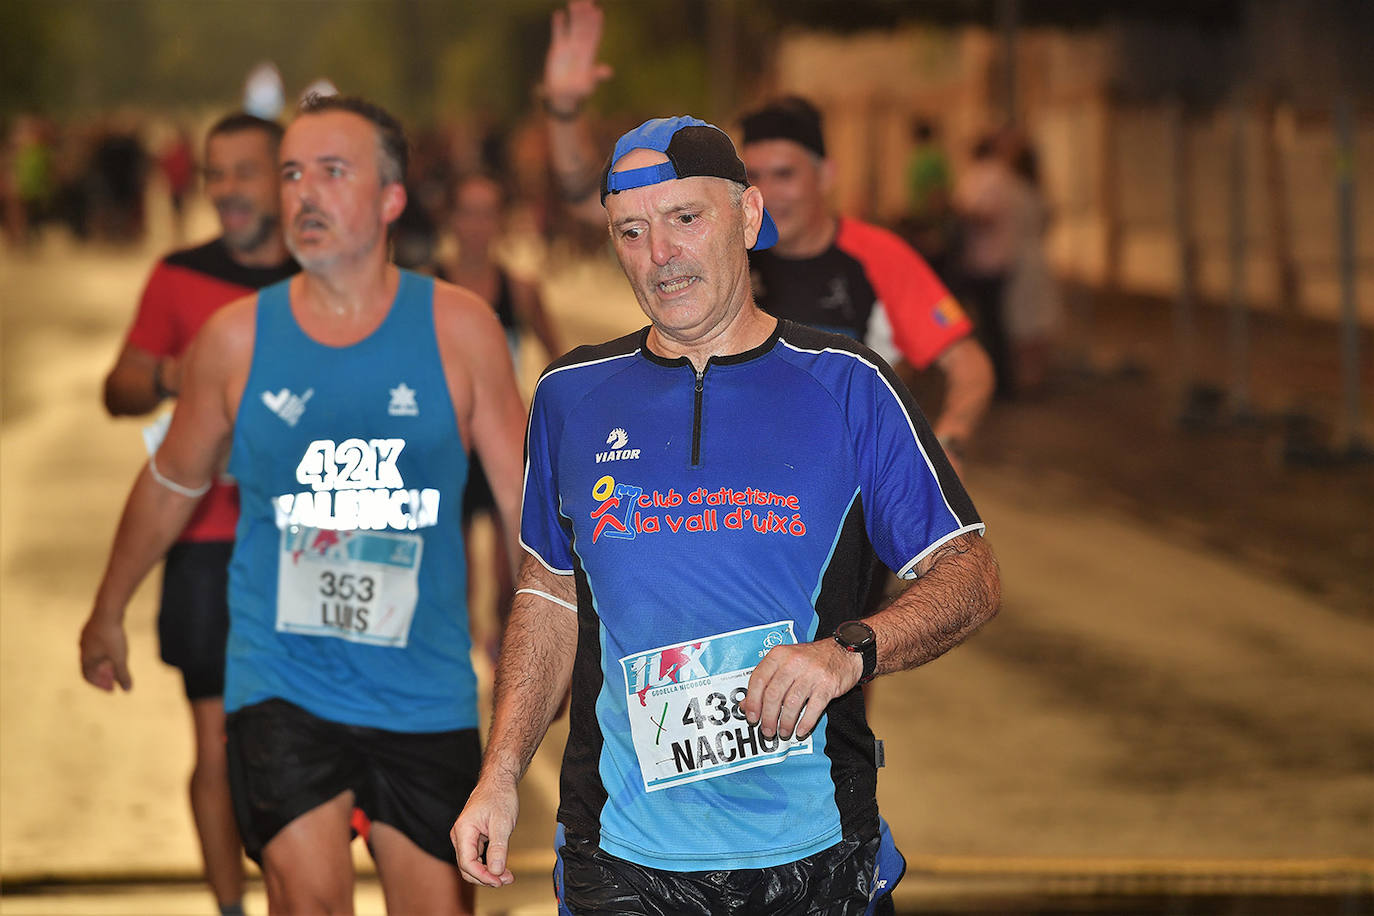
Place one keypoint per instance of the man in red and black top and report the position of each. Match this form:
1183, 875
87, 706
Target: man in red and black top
185, 289
852, 278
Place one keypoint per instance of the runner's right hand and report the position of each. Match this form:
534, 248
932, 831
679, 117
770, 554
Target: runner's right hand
571, 73
481, 834
105, 654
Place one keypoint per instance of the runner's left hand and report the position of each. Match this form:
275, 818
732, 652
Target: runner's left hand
792, 686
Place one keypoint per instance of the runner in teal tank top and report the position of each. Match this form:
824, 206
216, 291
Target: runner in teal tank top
346, 402
348, 587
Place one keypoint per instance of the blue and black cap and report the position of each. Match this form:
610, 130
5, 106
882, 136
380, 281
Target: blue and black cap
694, 149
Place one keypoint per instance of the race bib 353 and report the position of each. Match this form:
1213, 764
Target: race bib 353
360, 586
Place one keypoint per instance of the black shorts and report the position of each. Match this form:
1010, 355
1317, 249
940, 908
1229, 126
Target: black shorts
855, 877
193, 620
283, 762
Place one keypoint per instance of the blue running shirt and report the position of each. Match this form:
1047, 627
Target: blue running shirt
348, 585
706, 519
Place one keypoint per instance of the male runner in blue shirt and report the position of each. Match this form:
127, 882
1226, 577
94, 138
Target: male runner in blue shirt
703, 502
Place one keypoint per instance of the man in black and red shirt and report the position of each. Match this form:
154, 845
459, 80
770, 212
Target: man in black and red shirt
184, 290
849, 277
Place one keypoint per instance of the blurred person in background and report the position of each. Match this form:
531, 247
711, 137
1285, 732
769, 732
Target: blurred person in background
1032, 306
184, 290
11, 218
1006, 278
983, 198
477, 220
177, 163
415, 239
119, 171
347, 398
415, 236
432, 170
532, 189
31, 179
929, 223
74, 182
843, 275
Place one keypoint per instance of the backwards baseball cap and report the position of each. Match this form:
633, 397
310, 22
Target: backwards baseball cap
789, 118
694, 149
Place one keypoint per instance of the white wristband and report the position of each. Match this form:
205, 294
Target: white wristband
558, 601
188, 492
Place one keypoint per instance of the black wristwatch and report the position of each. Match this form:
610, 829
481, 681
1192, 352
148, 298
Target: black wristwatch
857, 636
159, 386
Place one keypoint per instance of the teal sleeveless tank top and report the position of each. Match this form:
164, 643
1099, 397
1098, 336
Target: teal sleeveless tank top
348, 585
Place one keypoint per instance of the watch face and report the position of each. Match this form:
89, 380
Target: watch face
853, 633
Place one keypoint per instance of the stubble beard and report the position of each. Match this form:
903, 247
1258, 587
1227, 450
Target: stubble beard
254, 237
317, 263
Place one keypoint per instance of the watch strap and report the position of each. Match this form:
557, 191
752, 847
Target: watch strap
867, 650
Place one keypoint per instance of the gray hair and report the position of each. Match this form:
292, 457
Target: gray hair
391, 139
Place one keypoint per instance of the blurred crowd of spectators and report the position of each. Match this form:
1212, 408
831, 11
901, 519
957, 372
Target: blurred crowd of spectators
89, 177
978, 220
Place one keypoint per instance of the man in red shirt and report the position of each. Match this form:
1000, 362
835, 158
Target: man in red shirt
184, 290
853, 278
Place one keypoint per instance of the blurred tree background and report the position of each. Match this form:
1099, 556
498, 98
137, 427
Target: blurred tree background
422, 58
427, 59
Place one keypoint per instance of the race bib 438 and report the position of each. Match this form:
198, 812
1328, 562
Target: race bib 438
684, 707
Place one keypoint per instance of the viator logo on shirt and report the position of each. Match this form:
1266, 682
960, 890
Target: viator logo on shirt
617, 440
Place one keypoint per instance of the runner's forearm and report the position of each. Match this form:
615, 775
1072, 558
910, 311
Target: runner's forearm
969, 382
572, 153
131, 388
153, 518
543, 329
957, 591
534, 669
504, 475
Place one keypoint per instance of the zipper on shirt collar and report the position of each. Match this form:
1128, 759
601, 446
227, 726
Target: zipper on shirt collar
700, 374
696, 416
